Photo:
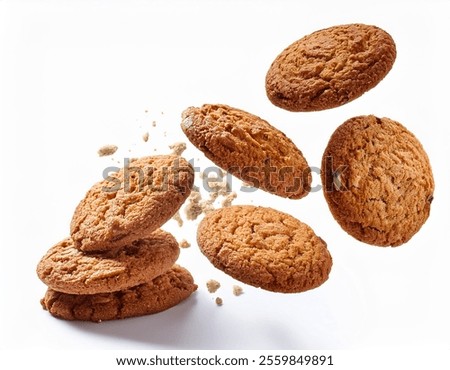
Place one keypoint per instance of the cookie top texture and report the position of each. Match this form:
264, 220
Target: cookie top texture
160, 294
66, 269
249, 148
377, 180
330, 67
265, 248
131, 203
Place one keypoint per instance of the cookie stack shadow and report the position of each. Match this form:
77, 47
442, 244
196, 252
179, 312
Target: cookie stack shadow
117, 262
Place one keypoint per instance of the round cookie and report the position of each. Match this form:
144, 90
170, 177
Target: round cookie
162, 293
377, 180
249, 148
67, 269
131, 203
265, 248
330, 67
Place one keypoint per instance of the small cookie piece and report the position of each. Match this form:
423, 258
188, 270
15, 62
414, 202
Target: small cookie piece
229, 199
330, 67
162, 293
265, 248
377, 180
67, 269
212, 285
184, 244
132, 203
193, 208
249, 148
106, 150
237, 290
178, 148
176, 217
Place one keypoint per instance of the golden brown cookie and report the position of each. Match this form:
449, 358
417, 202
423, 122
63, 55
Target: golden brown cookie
377, 180
264, 248
330, 67
67, 269
249, 148
131, 203
160, 294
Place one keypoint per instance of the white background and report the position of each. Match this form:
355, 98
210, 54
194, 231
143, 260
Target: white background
77, 75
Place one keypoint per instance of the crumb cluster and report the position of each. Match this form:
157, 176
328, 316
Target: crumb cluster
218, 187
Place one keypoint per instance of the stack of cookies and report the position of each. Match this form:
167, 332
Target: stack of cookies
117, 263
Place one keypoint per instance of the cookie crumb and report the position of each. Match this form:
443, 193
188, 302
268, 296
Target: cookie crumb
178, 148
184, 244
145, 137
237, 290
178, 219
219, 301
107, 150
220, 187
212, 285
229, 199
216, 182
193, 208
154, 123
208, 205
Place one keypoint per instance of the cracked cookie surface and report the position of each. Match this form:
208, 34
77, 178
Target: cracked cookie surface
330, 67
162, 293
265, 248
66, 269
131, 203
249, 148
377, 180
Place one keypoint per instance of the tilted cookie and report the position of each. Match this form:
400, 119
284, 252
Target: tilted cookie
377, 180
265, 248
330, 67
249, 148
67, 269
162, 293
131, 203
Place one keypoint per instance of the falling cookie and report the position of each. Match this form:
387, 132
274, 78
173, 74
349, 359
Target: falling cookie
131, 203
249, 148
162, 293
67, 269
265, 248
377, 180
330, 67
